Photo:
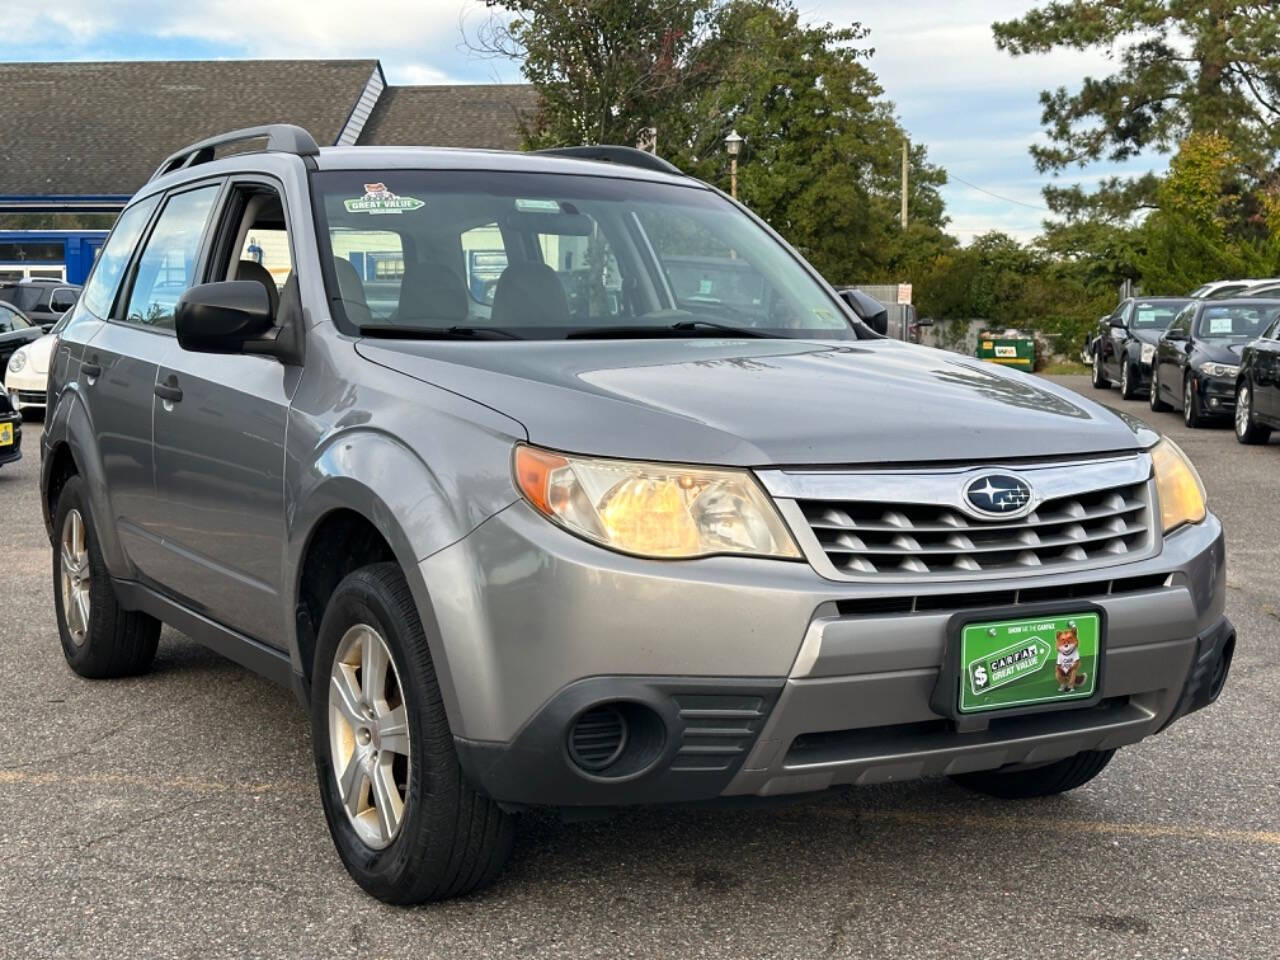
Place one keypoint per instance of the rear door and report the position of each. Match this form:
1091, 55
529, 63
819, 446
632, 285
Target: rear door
220, 431
1113, 355
119, 366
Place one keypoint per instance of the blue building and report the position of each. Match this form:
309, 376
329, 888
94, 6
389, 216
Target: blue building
58, 254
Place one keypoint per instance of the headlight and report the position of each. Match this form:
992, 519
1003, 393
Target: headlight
1220, 370
18, 361
653, 509
1148, 352
1178, 486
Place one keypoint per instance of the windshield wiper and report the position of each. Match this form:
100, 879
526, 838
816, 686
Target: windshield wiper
681, 329
393, 331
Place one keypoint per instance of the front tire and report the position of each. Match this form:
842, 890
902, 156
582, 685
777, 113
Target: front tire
1153, 399
1247, 429
1100, 381
1128, 381
1192, 415
407, 825
100, 639
1046, 781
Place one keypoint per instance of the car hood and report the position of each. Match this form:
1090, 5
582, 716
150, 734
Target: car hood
1150, 335
765, 402
38, 353
1220, 351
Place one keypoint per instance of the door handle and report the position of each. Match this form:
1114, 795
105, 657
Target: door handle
169, 392
91, 370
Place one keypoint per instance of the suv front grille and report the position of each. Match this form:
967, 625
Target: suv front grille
912, 525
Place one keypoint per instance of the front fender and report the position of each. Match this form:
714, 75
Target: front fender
417, 511
70, 423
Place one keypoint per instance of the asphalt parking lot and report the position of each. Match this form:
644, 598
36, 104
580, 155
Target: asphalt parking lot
175, 815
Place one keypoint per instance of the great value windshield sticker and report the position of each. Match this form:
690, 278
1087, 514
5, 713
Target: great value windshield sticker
378, 199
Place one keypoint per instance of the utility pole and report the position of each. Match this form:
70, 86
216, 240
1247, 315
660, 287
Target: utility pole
905, 150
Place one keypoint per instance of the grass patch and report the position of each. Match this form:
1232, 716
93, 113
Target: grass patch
1065, 368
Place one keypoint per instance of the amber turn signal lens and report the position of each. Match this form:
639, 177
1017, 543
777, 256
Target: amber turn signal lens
1181, 493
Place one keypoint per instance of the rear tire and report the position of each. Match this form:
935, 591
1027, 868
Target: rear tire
1247, 429
1046, 781
100, 639
1100, 381
1153, 399
448, 839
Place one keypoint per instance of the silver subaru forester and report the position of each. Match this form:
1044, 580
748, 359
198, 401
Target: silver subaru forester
559, 479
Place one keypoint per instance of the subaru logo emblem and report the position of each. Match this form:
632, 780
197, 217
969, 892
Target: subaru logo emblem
998, 495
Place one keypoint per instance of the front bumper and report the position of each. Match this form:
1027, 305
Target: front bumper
1217, 394
26, 389
11, 452
766, 679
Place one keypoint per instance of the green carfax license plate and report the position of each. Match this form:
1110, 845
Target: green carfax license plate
1027, 663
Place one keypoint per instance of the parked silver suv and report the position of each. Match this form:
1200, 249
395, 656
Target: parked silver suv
560, 479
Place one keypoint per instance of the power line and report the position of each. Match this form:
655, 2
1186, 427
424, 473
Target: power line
990, 193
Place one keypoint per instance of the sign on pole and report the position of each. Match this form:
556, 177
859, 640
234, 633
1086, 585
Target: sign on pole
904, 293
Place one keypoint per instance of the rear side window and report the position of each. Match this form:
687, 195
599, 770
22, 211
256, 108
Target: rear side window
168, 261
114, 257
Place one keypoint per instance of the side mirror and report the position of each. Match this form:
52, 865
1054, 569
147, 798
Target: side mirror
223, 317
1175, 335
1117, 322
925, 322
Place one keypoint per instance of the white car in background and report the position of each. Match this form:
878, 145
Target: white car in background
27, 375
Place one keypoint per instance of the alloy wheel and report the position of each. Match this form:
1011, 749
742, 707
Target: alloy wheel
369, 736
1243, 401
1187, 396
76, 577
1124, 380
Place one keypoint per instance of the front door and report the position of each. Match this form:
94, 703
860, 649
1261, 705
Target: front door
220, 432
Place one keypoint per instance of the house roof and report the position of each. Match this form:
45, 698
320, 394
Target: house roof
473, 115
94, 129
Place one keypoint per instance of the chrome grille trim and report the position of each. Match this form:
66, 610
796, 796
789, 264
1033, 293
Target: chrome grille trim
912, 525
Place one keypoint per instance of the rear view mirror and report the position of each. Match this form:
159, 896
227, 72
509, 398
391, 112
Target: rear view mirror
222, 317
1175, 335
868, 309
1117, 322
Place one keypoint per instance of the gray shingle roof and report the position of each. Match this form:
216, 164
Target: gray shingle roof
474, 115
102, 128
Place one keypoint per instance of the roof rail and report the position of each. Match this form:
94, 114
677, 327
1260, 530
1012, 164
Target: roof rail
281, 138
626, 156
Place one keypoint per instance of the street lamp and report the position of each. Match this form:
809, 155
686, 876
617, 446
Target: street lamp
733, 144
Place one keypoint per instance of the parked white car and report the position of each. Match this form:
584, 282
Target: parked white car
27, 375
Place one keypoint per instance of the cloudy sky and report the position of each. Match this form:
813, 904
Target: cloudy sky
975, 108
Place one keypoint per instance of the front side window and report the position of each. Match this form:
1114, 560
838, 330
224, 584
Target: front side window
112, 259
11, 320
168, 261
553, 256
1153, 316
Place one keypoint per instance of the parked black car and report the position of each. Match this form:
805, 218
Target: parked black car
43, 302
10, 432
1258, 387
16, 330
1126, 342
1198, 359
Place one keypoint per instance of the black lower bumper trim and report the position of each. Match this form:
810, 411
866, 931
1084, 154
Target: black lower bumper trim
708, 727
1214, 650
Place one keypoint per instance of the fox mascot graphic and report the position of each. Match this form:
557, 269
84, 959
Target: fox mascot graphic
1067, 670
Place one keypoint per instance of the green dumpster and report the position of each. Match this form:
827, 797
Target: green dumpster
1012, 351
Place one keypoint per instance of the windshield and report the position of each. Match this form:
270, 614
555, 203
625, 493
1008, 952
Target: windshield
1155, 316
1233, 323
550, 256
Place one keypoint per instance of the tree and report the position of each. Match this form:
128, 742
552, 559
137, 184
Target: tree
821, 162
1184, 67
605, 70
